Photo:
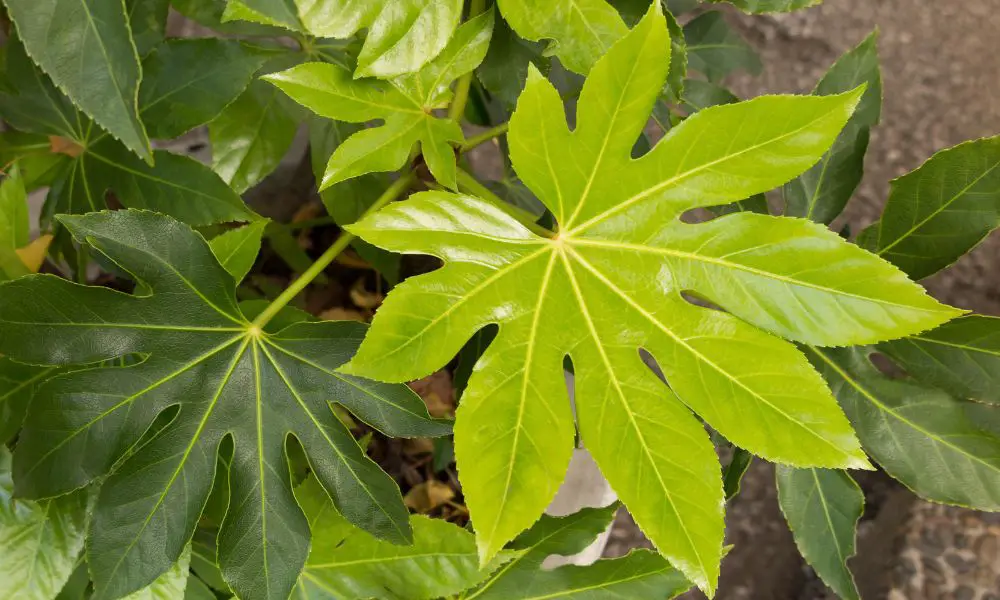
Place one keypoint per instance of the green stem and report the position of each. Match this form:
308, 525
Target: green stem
457, 108
469, 184
317, 268
82, 263
484, 137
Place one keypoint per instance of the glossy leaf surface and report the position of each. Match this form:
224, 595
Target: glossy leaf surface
640, 574
610, 283
404, 104
346, 563
40, 540
919, 435
961, 357
822, 192
87, 49
229, 378
581, 31
940, 211
822, 507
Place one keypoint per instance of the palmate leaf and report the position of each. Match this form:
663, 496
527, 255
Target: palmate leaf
822, 507
403, 35
226, 377
921, 436
940, 211
961, 357
87, 49
404, 103
611, 282
640, 574
346, 563
40, 540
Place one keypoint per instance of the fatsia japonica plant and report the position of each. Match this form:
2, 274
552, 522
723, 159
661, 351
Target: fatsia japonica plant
184, 416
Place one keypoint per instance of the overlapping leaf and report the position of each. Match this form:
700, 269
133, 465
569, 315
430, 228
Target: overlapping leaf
921, 436
87, 49
961, 357
226, 378
404, 104
148, 21
403, 35
611, 282
822, 192
640, 574
715, 50
822, 507
940, 211
346, 563
40, 540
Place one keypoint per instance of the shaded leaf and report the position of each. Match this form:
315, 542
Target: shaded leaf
961, 357
170, 585
822, 192
700, 94
715, 50
581, 31
252, 135
87, 50
229, 378
237, 249
822, 507
611, 282
505, 68
733, 474
208, 13
919, 435
29, 102
441, 561
188, 82
940, 211
279, 13
17, 386
770, 6
39, 166
148, 21
40, 540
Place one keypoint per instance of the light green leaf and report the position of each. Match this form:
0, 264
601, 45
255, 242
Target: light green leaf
87, 50
251, 136
208, 13
237, 249
770, 6
14, 224
961, 357
39, 166
348, 200
581, 31
919, 435
197, 590
940, 211
40, 540
170, 585
715, 50
279, 13
346, 563
229, 378
822, 507
29, 102
404, 104
148, 21
641, 574
188, 82
822, 192
406, 35
611, 282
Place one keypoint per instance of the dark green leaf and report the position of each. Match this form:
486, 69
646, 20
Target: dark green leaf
715, 50
188, 82
942, 210
18, 384
29, 101
209, 14
237, 249
822, 192
38, 164
197, 590
734, 471
961, 357
822, 507
148, 21
919, 435
251, 135
87, 50
229, 378
699, 95
679, 7
280, 13
505, 67
40, 540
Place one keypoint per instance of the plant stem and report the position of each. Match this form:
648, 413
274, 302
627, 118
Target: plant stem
484, 137
457, 108
471, 185
343, 241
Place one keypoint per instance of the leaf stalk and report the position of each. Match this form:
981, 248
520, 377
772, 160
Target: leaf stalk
484, 137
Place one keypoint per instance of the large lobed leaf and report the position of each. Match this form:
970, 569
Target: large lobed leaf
611, 281
404, 104
224, 377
